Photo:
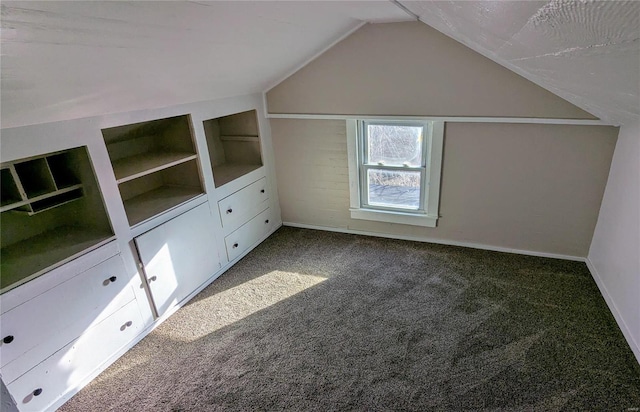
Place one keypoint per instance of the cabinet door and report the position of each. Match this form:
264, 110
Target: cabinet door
178, 256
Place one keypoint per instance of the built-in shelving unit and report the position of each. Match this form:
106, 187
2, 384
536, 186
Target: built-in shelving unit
35, 185
155, 164
52, 211
234, 146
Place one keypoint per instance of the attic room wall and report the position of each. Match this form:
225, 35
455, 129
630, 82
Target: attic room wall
613, 257
528, 187
410, 68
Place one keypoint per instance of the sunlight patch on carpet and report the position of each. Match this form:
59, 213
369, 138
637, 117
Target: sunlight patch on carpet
212, 313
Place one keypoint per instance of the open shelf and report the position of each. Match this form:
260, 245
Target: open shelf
133, 167
225, 173
234, 146
31, 257
156, 201
35, 177
47, 201
239, 138
52, 210
157, 192
10, 191
155, 164
62, 171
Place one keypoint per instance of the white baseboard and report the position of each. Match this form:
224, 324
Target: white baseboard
439, 241
635, 347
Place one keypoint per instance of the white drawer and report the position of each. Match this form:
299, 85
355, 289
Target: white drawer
76, 361
248, 234
42, 325
244, 204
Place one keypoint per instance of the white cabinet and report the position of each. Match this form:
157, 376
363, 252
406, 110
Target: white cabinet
243, 205
42, 386
58, 329
248, 234
179, 256
38, 327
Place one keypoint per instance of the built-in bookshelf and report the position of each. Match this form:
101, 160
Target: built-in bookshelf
51, 210
155, 164
234, 145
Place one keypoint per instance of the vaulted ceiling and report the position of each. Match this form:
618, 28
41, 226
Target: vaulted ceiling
64, 60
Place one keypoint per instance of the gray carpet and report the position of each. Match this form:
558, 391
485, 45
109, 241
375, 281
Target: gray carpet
323, 321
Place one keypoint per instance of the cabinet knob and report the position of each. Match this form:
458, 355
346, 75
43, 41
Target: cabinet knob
109, 280
266, 221
37, 392
153, 278
235, 245
126, 325
7, 339
229, 210
262, 191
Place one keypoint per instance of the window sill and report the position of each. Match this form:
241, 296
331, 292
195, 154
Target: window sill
394, 217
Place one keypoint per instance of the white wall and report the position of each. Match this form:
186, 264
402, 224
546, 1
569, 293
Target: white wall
534, 188
614, 256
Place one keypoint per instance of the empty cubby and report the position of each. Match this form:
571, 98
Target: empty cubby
234, 145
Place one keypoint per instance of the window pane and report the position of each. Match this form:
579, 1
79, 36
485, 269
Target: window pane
395, 145
393, 188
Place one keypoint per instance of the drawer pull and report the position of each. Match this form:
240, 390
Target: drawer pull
37, 392
153, 278
8, 339
109, 280
262, 191
126, 325
229, 210
235, 245
266, 221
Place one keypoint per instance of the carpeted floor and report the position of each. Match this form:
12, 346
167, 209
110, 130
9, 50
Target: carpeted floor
323, 321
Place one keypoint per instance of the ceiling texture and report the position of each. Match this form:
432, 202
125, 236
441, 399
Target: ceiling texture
66, 60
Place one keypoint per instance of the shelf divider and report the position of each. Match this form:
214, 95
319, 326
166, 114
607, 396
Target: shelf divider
240, 138
133, 167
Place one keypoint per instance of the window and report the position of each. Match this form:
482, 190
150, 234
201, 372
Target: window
394, 169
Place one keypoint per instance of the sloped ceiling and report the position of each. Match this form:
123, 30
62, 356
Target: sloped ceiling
65, 60
587, 52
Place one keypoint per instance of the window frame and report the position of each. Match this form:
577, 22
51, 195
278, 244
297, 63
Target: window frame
430, 169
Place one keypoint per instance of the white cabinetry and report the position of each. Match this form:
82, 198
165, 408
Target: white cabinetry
53, 338
238, 208
248, 234
179, 256
43, 385
77, 291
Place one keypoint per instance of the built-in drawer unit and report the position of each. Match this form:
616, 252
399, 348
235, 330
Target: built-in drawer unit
39, 388
40, 326
248, 234
243, 205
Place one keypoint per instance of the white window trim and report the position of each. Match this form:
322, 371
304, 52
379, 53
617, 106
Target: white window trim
432, 185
